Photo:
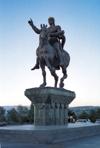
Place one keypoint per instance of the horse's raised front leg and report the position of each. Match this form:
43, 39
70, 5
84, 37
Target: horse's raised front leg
52, 70
44, 75
61, 85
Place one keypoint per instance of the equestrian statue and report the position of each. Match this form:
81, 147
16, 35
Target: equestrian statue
50, 52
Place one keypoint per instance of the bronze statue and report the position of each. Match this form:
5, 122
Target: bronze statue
50, 52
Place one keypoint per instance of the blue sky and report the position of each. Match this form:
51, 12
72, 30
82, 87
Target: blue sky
80, 19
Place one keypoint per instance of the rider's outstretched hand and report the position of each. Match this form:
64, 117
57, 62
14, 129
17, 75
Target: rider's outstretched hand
30, 22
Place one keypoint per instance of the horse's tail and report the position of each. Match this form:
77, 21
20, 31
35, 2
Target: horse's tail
66, 57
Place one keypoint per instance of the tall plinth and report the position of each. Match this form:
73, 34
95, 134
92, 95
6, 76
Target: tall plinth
50, 105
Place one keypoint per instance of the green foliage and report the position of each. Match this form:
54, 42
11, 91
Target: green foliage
31, 113
84, 115
71, 113
98, 113
2, 114
92, 115
12, 115
74, 116
22, 114
22, 110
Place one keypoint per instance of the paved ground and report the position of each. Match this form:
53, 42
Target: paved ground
89, 142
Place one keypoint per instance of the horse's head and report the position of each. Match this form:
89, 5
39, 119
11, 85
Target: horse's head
43, 32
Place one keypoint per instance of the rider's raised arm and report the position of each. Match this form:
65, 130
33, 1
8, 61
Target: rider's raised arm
33, 26
36, 29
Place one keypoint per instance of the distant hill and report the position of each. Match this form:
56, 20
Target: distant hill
79, 109
10, 107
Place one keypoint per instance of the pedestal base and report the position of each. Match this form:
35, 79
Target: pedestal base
48, 134
50, 105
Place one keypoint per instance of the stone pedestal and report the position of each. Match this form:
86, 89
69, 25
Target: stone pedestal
50, 105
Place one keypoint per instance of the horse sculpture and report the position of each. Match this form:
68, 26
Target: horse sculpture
47, 56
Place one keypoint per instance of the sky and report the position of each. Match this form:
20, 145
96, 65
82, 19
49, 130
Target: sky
80, 19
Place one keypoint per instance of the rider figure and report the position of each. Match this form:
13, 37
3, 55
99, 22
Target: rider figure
55, 34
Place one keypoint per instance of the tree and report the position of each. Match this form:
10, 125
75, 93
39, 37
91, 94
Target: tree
12, 115
2, 114
31, 113
22, 114
75, 116
84, 115
92, 115
71, 113
98, 113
